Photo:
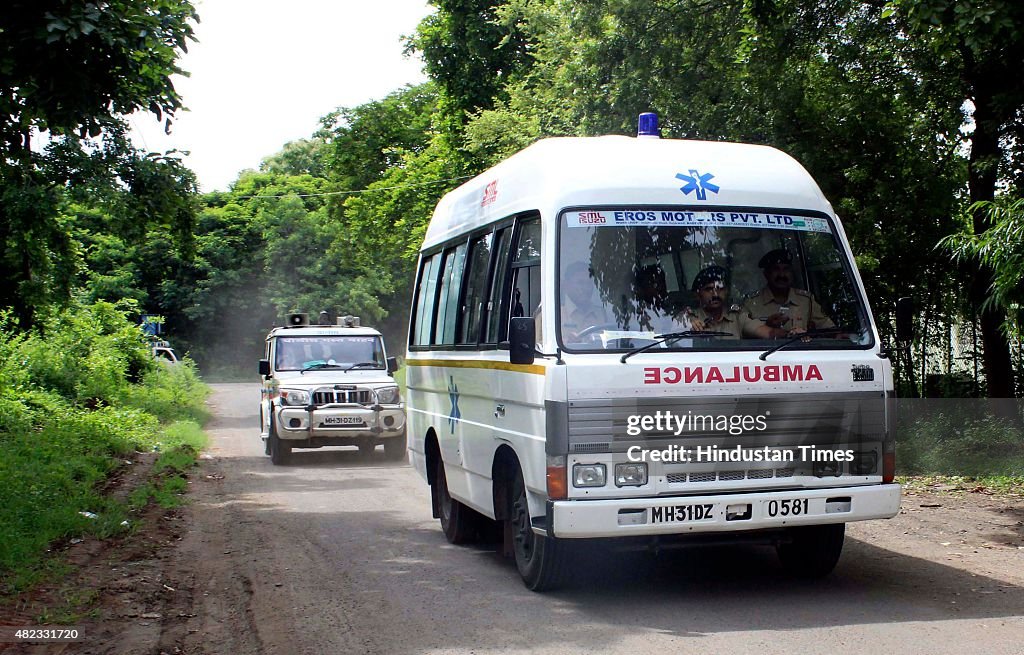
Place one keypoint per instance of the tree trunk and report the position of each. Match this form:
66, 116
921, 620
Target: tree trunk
983, 169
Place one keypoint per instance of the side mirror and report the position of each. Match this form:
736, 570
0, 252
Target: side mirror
264, 367
392, 365
522, 337
905, 319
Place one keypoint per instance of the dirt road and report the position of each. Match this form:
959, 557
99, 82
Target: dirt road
338, 554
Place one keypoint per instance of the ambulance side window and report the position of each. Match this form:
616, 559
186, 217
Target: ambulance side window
425, 301
476, 289
448, 300
526, 270
495, 308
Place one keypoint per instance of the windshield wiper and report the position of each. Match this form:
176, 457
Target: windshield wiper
672, 336
800, 337
362, 364
317, 366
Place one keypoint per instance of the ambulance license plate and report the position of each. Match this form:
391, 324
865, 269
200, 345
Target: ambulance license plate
682, 513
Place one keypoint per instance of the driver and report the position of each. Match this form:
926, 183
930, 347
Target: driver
581, 308
713, 314
290, 359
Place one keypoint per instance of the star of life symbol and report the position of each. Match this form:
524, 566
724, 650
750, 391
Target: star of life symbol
453, 394
699, 183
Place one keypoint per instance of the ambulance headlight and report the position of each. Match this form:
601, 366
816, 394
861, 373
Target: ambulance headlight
294, 397
631, 474
388, 396
588, 475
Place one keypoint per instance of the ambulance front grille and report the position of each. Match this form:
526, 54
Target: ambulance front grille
726, 476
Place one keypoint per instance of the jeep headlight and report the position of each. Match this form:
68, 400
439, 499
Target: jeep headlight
294, 397
388, 396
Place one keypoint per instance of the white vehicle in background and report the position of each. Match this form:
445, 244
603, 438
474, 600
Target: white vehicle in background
329, 385
556, 432
163, 353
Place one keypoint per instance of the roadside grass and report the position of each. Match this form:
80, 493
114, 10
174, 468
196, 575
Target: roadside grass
76, 402
998, 485
962, 446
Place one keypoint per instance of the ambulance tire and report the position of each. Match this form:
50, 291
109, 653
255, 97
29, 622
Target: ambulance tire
456, 519
280, 450
814, 550
542, 561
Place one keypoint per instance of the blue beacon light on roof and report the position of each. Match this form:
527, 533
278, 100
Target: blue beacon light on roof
647, 126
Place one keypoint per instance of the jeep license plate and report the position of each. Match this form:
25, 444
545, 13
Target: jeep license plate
343, 420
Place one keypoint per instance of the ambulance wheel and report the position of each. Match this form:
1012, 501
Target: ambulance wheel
541, 560
456, 518
394, 448
813, 551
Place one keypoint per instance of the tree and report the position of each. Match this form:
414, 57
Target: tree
980, 44
1001, 249
69, 67
71, 71
302, 157
469, 54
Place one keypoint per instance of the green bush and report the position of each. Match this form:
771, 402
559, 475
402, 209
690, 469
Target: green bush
954, 444
87, 354
171, 393
76, 398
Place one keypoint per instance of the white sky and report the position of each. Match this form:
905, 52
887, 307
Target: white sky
265, 71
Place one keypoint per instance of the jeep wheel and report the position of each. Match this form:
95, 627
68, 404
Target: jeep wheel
279, 450
394, 448
266, 442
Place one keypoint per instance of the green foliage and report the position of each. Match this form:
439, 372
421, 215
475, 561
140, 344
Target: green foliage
1001, 248
170, 393
469, 53
88, 354
69, 414
950, 444
302, 157
364, 143
73, 71
72, 66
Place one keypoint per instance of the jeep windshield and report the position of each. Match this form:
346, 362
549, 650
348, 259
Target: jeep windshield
758, 276
328, 352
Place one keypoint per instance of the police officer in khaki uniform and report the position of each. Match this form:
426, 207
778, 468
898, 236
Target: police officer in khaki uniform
713, 313
779, 310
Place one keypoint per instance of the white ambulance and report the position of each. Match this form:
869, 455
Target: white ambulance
571, 376
329, 385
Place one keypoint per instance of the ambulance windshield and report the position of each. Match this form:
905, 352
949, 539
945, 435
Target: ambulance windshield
734, 280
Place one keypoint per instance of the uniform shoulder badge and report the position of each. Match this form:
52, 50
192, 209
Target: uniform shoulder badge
802, 292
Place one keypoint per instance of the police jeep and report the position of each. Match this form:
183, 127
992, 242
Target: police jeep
329, 385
